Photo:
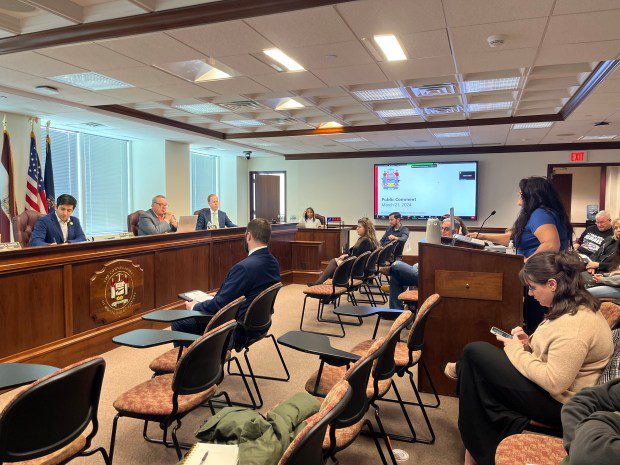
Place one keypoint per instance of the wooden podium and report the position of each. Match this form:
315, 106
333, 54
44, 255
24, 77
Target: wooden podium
478, 290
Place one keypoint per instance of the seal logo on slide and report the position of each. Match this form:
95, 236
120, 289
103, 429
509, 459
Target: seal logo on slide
391, 179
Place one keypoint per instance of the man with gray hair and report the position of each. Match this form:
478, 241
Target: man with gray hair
157, 220
593, 237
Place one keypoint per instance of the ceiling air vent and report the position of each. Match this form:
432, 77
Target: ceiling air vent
433, 90
242, 105
443, 110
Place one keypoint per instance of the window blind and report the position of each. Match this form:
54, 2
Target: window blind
203, 178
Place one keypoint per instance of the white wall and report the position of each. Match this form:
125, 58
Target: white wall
585, 190
612, 191
344, 187
148, 172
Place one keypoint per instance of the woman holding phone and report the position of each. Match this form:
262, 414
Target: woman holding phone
501, 391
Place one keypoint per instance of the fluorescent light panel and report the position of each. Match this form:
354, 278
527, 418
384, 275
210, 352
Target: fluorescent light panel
541, 125
244, 123
399, 113
91, 81
282, 58
488, 85
610, 137
451, 134
489, 106
201, 108
380, 94
390, 47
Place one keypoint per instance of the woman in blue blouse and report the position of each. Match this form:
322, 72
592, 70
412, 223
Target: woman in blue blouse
541, 225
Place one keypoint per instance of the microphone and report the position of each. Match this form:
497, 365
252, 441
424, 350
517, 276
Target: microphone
485, 220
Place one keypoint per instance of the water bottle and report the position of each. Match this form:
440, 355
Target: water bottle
510, 250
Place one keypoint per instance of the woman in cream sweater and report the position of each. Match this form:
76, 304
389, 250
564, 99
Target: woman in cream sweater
500, 391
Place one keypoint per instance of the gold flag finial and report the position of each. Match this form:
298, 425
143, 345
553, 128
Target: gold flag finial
4, 122
47, 127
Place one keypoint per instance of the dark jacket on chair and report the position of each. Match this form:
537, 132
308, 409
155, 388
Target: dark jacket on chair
249, 277
47, 231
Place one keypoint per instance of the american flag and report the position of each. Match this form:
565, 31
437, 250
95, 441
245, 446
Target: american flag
35, 191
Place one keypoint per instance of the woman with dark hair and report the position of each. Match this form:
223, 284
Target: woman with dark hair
501, 391
542, 225
367, 242
608, 284
309, 219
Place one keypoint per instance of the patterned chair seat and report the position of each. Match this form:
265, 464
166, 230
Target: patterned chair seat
153, 398
521, 449
356, 282
610, 311
324, 290
331, 375
60, 455
410, 295
401, 353
344, 436
167, 362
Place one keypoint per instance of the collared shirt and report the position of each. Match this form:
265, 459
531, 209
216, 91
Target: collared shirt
64, 227
257, 248
214, 221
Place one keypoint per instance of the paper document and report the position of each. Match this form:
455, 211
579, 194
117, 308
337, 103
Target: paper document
212, 454
198, 296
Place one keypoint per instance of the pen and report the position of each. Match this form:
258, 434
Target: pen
204, 458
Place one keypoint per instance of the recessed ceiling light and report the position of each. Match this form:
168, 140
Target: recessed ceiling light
48, 90
370, 95
451, 134
289, 104
91, 81
598, 137
544, 124
244, 123
399, 113
488, 85
489, 106
199, 70
200, 108
329, 125
283, 59
390, 47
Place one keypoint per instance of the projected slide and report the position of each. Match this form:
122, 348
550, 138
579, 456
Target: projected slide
424, 190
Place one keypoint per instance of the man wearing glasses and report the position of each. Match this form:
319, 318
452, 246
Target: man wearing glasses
158, 219
593, 237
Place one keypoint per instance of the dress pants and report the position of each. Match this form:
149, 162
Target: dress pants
190, 325
401, 277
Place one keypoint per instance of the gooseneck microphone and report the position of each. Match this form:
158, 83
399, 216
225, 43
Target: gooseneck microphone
485, 220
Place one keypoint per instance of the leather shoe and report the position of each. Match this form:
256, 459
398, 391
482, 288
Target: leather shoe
444, 368
384, 270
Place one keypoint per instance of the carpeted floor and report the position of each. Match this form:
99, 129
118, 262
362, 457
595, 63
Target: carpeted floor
127, 367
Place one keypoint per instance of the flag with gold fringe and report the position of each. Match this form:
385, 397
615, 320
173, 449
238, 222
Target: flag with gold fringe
9, 207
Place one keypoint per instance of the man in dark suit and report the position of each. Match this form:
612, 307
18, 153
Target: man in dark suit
248, 278
58, 227
213, 217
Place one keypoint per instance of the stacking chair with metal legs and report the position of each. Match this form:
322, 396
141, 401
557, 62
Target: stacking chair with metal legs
257, 320
330, 293
370, 277
46, 423
356, 279
166, 399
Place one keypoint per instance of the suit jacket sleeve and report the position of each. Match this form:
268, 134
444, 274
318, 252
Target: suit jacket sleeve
202, 221
228, 223
232, 288
79, 232
39, 233
146, 224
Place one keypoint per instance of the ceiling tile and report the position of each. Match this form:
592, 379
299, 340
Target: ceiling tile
143, 76
39, 65
426, 44
290, 81
132, 95
152, 48
563, 7
89, 56
312, 26
331, 55
238, 85
415, 68
350, 75
553, 54
247, 65
465, 13
182, 90
495, 61
583, 27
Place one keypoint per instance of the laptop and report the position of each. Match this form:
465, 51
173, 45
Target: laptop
187, 223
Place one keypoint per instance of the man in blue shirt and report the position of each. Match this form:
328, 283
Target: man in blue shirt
58, 227
396, 231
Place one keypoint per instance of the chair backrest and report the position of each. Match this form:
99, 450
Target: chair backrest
415, 341
386, 252
132, 221
258, 315
198, 212
321, 218
385, 366
359, 267
611, 312
23, 225
342, 274
202, 366
52, 412
225, 314
371, 264
307, 447
398, 250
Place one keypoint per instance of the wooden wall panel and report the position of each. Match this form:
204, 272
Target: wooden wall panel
225, 255
336, 240
31, 309
179, 270
280, 247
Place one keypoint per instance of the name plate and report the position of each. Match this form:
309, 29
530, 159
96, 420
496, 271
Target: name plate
6, 246
125, 235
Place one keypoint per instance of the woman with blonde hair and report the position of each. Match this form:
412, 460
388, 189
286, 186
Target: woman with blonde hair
366, 242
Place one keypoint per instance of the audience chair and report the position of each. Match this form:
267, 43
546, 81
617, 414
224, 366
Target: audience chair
357, 277
530, 448
371, 279
321, 218
166, 399
330, 293
257, 319
307, 447
167, 362
46, 422
398, 251
611, 312
23, 225
132, 221
409, 298
385, 259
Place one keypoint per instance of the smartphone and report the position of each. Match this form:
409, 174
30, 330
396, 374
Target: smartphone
499, 332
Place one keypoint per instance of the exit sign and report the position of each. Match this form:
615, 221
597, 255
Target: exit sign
578, 157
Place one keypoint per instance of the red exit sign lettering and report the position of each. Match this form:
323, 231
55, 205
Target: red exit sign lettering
577, 157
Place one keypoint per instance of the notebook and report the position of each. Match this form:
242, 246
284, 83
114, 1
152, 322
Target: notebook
212, 454
198, 296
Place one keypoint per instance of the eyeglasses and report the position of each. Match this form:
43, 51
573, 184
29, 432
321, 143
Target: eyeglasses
161, 204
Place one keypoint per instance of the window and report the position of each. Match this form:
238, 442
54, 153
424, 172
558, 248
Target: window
204, 178
93, 169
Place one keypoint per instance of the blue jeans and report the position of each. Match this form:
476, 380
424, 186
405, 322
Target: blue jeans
605, 291
401, 277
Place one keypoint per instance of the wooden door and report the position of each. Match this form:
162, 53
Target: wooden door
266, 195
563, 183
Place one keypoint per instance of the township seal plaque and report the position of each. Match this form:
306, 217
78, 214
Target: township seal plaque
116, 291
